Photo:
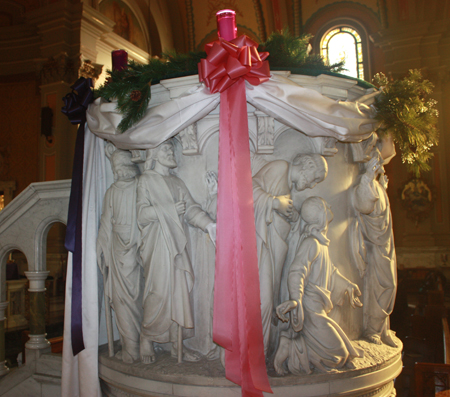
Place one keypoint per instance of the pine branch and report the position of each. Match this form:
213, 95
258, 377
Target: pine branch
286, 51
406, 112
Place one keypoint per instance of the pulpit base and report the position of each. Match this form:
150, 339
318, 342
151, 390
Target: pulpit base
374, 377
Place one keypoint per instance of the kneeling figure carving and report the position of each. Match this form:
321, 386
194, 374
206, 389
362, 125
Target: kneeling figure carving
315, 284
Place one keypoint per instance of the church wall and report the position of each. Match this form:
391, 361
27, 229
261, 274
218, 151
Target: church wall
20, 130
418, 36
312, 8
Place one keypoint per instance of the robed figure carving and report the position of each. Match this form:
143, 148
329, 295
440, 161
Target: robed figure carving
314, 340
274, 216
164, 210
375, 256
117, 251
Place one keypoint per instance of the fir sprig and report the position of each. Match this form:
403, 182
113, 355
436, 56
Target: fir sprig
406, 111
286, 52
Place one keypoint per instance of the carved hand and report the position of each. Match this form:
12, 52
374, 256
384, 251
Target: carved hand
100, 259
180, 207
284, 205
211, 229
284, 308
372, 168
353, 292
294, 215
211, 182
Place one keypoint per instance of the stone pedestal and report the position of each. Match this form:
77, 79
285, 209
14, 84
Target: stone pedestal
3, 368
37, 310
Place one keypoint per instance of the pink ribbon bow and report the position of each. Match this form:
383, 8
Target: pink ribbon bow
237, 324
228, 61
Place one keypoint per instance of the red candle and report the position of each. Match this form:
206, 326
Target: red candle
119, 59
226, 24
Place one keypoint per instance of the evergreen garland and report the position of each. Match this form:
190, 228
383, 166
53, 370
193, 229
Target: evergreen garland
138, 78
403, 107
286, 53
406, 111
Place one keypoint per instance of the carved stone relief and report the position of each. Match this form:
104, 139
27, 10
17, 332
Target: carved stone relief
176, 235
275, 215
117, 251
313, 340
164, 210
188, 139
373, 243
326, 146
60, 68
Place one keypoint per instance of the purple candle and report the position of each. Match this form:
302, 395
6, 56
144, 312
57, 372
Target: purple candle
119, 59
226, 24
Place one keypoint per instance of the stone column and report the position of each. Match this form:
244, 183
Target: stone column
37, 310
3, 368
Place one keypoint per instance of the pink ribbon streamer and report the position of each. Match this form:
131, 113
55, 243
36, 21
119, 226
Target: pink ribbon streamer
237, 325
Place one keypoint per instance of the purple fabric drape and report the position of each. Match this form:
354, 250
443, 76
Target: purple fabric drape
75, 106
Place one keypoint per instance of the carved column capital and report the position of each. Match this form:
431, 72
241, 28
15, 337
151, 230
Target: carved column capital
37, 280
266, 133
188, 140
90, 70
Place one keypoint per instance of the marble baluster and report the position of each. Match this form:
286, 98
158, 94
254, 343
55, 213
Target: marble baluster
37, 290
3, 368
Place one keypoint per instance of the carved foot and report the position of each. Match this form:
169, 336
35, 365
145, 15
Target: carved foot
124, 356
350, 365
279, 368
213, 354
146, 350
281, 356
374, 339
188, 354
388, 339
222, 356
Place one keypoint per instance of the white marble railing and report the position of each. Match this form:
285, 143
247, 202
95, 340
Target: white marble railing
25, 222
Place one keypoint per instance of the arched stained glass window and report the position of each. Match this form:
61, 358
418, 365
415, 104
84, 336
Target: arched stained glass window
344, 44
